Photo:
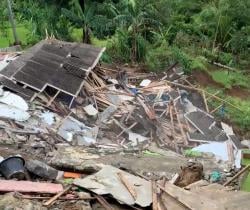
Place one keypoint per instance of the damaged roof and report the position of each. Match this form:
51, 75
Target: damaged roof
54, 63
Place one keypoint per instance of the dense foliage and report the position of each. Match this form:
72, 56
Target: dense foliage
144, 30
154, 33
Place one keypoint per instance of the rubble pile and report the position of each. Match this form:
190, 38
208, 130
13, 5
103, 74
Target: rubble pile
120, 138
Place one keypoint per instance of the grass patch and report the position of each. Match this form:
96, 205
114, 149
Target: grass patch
99, 42
231, 79
76, 34
22, 32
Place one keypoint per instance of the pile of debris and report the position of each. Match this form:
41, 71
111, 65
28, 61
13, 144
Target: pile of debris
70, 118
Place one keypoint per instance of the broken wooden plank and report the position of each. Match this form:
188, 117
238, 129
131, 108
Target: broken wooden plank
148, 110
29, 187
180, 125
55, 197
214, 110
103, 202
199, 89
53, 98
205, 101
127, 185
154, 196
237, 175
46, 197
190, 200
127, 129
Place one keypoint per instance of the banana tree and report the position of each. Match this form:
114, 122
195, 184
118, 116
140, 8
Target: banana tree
89, 17
137, 19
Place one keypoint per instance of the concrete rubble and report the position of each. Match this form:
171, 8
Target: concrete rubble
118, 138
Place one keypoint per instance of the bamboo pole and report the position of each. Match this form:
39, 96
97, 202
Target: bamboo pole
199, 89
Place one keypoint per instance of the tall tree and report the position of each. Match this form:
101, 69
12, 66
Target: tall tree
137, 19
12, 22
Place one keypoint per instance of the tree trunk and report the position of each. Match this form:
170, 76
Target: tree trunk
134, 47
12, 22
86, 35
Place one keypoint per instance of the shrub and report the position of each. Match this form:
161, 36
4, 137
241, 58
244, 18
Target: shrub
158, 58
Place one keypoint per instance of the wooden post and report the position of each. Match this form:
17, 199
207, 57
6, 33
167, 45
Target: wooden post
205, 101
53, 98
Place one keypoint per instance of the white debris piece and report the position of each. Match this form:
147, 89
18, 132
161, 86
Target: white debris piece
228, 129
48, 117
72, 129
114, 81
220, 150
107, 181
136, 138
11, 112
12, 99
90, 110
145, 83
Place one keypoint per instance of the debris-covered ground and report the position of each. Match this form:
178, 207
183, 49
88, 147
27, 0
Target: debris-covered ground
77, 134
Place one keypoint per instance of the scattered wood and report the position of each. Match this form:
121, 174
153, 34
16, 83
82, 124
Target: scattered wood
205, 101
198, 89
237, 175
46, 197
224, 66
154, 196
148, 110
214, 110
29, 187
55, 197
103, 202
190, 200
127, 185
20, 131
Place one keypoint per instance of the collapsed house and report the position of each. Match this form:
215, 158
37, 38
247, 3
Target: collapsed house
50, 65
118, 113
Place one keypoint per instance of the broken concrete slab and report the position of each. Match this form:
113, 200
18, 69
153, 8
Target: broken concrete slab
106, 114
29, 187
74, 158
106, 181
136, 138
13, 113
75, 131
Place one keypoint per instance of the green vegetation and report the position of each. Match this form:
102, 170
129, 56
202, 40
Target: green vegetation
240, 115
230, 79
152, 33
145, 30
6, 37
